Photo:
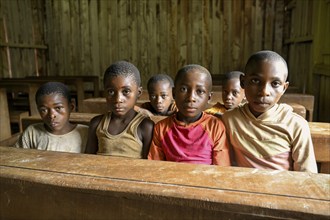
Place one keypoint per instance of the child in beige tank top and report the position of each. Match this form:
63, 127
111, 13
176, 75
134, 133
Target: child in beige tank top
122, 131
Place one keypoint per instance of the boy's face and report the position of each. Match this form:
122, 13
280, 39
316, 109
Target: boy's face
121, 93
232, 93
191, 94
160, 95
55, 111
264, 85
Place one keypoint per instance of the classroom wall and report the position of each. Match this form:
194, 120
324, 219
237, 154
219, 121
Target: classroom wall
62, 37
84, 37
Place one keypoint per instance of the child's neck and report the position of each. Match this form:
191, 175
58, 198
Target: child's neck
188, 120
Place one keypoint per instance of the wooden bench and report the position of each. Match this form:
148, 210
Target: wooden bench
101, 187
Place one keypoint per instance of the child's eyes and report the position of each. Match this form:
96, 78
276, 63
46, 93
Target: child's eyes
255, 81
164, 96
183, 89
200, 92
152, 96
276, 84
111, 92
43, 110
126, 92
59, 108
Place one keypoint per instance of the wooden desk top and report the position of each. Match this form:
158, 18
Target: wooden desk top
282, 194
319, 129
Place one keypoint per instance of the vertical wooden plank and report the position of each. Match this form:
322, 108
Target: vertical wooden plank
258, 25
175, 41
163, 39
278, 26
4, 116
122, 30
66, 41
143, 36
114, 32
237, 30
227, 35
134, 32
206, 49
152, 39
85, 36
269, 25
5, 70
104, 27
216, 38
94, 36
248, 40
182, 34
50, 38
75, 39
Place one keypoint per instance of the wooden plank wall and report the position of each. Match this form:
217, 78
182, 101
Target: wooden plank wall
84, 37
321, 60
307, 45
22, 38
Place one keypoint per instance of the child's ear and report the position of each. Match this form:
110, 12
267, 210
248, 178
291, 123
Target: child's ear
72, 105
242, 80
139, 91
285, 87
210, 96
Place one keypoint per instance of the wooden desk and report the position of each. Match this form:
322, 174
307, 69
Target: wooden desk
303, 99
321, 140
44, 184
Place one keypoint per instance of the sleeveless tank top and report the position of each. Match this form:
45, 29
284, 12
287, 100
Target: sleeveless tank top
125, 144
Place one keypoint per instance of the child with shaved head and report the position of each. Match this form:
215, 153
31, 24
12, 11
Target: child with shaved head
264, 134
190, 135
123, 130
56, 133
160, 95
232, 94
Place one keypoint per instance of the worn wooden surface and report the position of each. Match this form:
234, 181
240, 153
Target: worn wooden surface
76, 186
321, 141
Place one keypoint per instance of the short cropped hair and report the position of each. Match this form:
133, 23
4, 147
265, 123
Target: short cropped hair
265, 55
160, 77
190, 67
53, 88
231, 75
122, 68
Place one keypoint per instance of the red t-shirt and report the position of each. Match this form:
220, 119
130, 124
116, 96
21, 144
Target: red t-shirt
201, 142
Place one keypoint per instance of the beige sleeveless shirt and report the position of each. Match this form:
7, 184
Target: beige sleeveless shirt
125, 144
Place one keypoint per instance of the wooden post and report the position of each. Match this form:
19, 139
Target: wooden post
4, 116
